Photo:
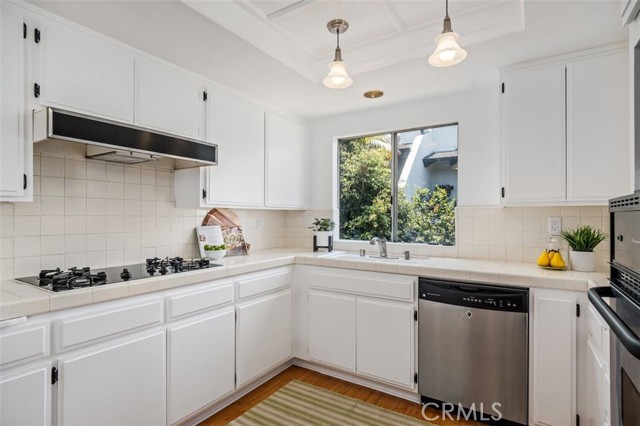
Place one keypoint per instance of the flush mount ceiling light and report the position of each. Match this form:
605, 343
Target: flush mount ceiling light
373, 94
447, 51
337, 77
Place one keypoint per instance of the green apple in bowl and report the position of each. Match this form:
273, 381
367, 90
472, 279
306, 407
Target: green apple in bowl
215, 252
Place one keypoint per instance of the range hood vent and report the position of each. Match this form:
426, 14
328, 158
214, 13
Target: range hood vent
119, 142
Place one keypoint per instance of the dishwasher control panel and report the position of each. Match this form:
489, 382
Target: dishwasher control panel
483, 296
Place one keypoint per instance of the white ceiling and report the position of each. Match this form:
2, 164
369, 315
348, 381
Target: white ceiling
277, 51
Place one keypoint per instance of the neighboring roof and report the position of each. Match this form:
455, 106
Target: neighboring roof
450, 156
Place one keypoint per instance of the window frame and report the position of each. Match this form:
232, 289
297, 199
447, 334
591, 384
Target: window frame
394, 173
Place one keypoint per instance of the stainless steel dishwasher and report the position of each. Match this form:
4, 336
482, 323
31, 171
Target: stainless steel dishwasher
473, 348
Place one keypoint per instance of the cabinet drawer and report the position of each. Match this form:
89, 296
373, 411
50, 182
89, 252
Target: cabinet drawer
262, 282
92, 326
375, 284
194, 301
24, 343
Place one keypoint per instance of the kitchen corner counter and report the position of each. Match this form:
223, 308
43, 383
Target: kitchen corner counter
19, 299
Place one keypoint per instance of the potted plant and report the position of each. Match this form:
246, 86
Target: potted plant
322, 228
582, 241
215, 252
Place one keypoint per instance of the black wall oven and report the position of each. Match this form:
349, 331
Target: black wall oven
619, 305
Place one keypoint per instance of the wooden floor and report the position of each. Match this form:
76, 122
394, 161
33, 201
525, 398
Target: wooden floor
335, 385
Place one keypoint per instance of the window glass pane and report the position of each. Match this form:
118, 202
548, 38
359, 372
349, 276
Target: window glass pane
365, 187
427, 170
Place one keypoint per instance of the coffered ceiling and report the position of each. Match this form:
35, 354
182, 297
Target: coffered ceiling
381, 33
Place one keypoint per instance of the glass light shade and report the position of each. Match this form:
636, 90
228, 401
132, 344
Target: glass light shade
337, 77
447, 51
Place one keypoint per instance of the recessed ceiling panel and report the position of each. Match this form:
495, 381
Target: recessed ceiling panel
271, 8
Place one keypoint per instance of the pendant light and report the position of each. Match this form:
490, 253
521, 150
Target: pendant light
447, 52
337, 77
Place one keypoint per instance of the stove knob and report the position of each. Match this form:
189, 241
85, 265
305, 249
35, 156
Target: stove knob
151, 270
125, 274
163, 270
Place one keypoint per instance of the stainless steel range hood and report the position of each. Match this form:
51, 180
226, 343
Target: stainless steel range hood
121, 143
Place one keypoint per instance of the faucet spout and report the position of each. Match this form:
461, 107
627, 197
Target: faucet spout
382, 245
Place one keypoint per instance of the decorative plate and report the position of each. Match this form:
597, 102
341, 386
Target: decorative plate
553, 268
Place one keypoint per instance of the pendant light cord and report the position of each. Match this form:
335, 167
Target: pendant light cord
446, 8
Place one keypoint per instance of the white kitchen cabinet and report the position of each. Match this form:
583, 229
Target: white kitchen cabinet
25, 396
16, 158
332, 329
554, 358
285, 152
385, 341
201, 363
598, 151
597, 386
533, 116
169, 100
565, 129
119, 383
263, 335
83, 73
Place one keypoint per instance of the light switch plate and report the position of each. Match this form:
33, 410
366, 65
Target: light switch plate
555, 225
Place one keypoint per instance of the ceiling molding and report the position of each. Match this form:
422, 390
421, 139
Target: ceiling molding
270, 33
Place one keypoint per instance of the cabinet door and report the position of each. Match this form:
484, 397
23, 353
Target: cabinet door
332, 329
595, 409
385, 341
533, 133
117, 384
285, 162
554, 358
86, 74
237, 126
25, 396
12, 111
199, 377
169, 100
598, 143
263, 335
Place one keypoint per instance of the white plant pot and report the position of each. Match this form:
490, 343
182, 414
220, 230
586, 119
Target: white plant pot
322, 237
583, 261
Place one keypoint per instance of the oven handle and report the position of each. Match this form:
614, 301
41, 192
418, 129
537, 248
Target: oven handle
619, 328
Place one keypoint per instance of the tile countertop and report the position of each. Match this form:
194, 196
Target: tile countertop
18, 299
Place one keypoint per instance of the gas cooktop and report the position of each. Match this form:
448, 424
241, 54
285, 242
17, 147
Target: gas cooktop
74, 278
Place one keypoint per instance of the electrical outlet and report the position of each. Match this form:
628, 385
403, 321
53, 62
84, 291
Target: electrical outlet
258, 222
555, 225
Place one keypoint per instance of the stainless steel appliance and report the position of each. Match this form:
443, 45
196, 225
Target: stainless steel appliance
473, 347
121, 143
619, 306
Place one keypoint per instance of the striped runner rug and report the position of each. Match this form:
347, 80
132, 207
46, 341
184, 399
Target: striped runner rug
301, 404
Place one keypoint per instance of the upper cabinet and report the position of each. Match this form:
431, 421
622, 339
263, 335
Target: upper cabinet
83, 73
169, 100
565, 130
285, 153
14, 148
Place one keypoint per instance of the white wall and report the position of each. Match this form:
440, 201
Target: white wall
476, 111
634, 39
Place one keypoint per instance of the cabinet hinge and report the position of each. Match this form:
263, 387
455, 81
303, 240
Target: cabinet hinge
204, 194
577, 419
54, 375
36, 90
415, 378
578, 310
502, 192
204, 96
415, 315
36, 35
24, 30
24, 181
502, 87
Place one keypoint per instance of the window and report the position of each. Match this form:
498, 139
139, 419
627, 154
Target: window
400, 185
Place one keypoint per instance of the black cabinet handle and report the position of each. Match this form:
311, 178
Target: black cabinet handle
24, 181
620, 238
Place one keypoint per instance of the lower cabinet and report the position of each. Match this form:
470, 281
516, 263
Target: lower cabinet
201, 362
119, 383
263, 335
385, 341
332, 329
554, 360
25, 396
597, 387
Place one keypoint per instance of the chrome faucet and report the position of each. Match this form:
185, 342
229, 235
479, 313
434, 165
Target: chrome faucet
382, 245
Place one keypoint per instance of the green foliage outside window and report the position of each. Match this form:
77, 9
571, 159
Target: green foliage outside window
365, 198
